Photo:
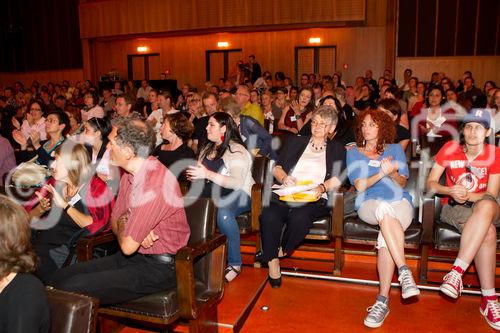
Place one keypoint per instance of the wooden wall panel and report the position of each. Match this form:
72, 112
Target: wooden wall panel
483, 67
359, 48
72, 75
126, 17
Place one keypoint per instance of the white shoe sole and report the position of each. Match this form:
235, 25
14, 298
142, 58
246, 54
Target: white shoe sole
375, 325
496, 327
448, 291
411, 294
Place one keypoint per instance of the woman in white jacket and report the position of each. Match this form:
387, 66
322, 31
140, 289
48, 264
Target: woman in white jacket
226, 166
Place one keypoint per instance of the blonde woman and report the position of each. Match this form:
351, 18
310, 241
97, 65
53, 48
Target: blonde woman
73, 201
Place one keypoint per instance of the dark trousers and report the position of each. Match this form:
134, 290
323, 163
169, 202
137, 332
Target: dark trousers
297, 222
116, 278
46, 266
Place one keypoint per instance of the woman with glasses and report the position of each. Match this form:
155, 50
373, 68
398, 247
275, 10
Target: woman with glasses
377, 167
34, 122
195, 108
56, 127
314, 160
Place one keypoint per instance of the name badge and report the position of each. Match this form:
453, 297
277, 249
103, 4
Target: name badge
75, 199
293, 118
374, 163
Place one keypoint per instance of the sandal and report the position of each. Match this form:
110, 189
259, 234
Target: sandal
231, 273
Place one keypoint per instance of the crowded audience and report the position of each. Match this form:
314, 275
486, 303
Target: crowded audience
104, 145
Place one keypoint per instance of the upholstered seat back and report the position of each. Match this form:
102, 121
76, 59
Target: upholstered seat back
71, 313
202, 217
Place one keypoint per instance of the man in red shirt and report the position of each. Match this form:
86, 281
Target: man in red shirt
148, 220
471, 190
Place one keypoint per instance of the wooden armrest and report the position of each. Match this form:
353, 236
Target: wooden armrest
256, 208
85, 245
202, 247
338, 214
184, 266
428, 220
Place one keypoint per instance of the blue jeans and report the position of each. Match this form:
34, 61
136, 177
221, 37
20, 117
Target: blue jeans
227, 210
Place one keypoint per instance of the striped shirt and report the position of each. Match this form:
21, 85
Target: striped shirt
152, 200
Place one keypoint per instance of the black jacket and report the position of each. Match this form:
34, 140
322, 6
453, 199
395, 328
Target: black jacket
295, 146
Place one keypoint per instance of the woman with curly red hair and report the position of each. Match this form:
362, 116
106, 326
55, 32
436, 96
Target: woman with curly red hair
377, 167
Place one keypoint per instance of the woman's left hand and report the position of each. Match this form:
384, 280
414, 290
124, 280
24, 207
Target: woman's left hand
198, 171
56, 197
387, 167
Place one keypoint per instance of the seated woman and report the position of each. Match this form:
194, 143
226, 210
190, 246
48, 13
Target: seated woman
295, 114
23, 301
56, 127
91, 108
95, 138
471, 206
34, 122
434, 120
75, 122
174, 153
393, 109
226, 168
379, 173
255, 137
314, 159
82, 203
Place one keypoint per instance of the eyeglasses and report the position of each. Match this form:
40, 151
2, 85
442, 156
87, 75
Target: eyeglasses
36, 110
318, 124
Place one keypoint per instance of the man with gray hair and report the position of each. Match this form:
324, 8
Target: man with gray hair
148, 220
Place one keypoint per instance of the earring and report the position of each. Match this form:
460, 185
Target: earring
364, 143
222, 137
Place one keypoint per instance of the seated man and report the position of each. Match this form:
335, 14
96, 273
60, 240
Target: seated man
148, 220
471, 190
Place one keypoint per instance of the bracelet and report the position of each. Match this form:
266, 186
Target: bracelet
323, 187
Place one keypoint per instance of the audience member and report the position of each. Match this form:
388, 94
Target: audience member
225, 168
379, 172
148, 220
22, 296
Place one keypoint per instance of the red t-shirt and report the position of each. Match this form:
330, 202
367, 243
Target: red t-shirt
472, 175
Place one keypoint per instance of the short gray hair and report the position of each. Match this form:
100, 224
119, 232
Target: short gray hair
327, 113
137, 135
